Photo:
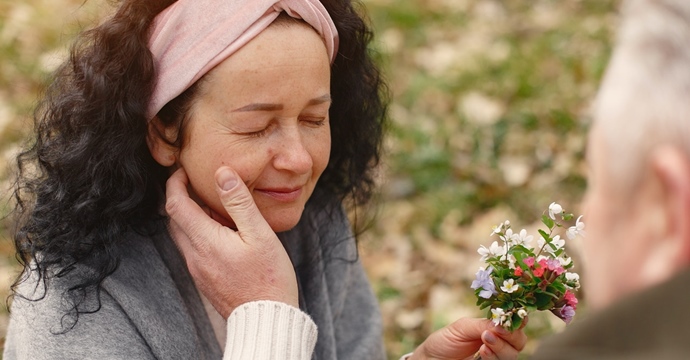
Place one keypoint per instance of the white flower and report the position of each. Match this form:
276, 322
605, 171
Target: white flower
510, 286
573, 277
508, 236
497, 316
496, 249
565, 261
493, 250
555, 209
496, 229
556, 243
522, 238
522, 313
577, 229
507, 323
506, 223
484, 252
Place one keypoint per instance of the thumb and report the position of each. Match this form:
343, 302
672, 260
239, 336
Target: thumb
240, 206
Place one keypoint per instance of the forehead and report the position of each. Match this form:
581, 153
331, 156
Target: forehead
284, 58
275, 53
284, 44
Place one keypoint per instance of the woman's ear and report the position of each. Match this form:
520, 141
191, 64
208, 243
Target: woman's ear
671, 167
157, 139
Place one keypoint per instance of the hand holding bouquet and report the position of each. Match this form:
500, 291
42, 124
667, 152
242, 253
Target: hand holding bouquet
521, 277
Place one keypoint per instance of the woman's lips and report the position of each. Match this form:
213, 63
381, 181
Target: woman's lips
282, 195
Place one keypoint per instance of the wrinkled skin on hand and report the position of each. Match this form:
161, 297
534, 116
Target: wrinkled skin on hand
230, 267
465, 337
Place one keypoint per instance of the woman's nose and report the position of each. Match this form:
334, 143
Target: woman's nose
293, 154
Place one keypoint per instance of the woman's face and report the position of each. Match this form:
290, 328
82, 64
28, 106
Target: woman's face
263, 112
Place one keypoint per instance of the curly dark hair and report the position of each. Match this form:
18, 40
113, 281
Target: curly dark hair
88, 176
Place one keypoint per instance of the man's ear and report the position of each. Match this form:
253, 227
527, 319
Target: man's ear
162, 151
671, 167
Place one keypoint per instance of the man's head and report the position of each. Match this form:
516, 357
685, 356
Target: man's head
638, 202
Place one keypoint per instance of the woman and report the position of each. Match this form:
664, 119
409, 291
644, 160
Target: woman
260, 123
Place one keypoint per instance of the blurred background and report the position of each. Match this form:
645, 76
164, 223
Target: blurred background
488, 123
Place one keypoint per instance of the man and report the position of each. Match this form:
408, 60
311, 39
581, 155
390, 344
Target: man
637, 207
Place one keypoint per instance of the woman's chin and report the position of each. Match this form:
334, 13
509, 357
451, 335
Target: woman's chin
281, 220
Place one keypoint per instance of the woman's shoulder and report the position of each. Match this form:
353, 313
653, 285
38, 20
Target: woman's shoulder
47, 295
138, 311
43, 324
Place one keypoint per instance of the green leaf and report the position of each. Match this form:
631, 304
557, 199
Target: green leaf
544, 235
547, 221
516, 322
559, 286
567, 217
543, 301
551, 293
519, 251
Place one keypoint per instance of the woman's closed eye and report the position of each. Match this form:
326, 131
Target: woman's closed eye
314, 121
310, 121
259, 132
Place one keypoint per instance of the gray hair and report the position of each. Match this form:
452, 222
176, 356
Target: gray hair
644, 99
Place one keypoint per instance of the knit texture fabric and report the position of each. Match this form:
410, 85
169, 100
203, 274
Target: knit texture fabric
269, 330
150, 309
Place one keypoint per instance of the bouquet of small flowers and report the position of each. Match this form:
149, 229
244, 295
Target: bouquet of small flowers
520, 278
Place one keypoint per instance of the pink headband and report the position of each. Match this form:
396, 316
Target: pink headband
191, 37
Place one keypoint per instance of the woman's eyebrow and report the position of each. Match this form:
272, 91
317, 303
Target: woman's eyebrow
320, 100
260, 107
275, 107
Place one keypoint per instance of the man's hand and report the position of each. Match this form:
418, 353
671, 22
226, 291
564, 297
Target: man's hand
229, 267
463, 338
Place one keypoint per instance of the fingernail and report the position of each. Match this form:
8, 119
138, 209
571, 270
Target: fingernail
489, 337
226, 179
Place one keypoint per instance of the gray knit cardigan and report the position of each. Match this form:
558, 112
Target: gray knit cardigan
150, 308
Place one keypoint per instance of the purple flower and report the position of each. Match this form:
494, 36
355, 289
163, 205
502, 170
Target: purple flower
485, 282
567, 312
555, 266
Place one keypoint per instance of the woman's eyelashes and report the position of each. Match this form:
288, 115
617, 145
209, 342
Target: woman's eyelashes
257, 134
313, 122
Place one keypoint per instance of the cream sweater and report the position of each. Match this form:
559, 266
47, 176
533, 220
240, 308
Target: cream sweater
269, 330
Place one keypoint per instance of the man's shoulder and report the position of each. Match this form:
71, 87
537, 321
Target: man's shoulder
644, 325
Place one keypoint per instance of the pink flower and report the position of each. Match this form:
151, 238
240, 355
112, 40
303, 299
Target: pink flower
518, 271
570, 299
529, 261
543, 263
555, 266
552, 264
538, 272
